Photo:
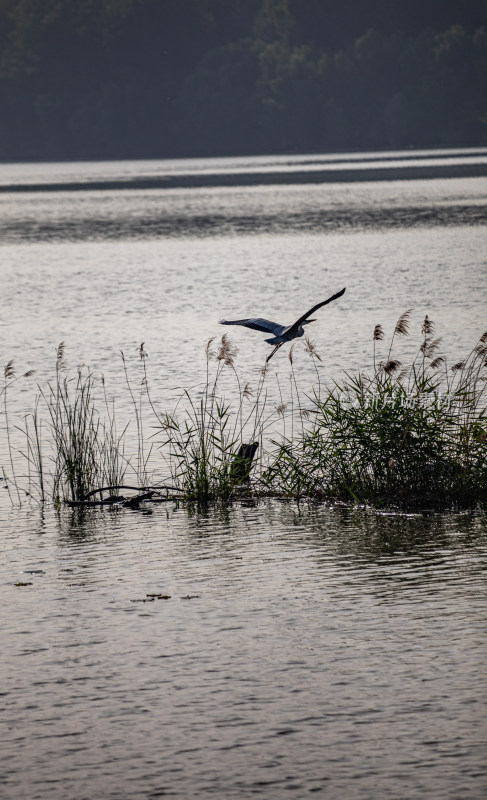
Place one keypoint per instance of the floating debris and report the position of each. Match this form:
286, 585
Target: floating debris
149, 598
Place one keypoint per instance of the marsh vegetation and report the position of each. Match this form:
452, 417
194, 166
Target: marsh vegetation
403, 434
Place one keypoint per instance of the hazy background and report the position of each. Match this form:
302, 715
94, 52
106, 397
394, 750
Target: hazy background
170, 78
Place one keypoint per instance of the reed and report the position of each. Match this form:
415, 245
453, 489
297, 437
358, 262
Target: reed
412, 436
409, 435
71, 446
10, 378
203, 438
87, 450
33, 453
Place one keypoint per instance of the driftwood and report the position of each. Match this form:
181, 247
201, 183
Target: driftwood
239, 473
242, 462
132, 488
135, 502
145, 493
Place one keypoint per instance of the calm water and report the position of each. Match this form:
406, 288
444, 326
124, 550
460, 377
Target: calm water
290, 650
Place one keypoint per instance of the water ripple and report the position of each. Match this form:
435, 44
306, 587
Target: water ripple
296, 650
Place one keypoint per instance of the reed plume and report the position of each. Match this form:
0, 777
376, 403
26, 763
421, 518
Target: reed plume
60, 362
210, 353
9, 371
227, 351
391, 366
428, 347
402, 324
310, 348
401, 328
142, 352
428, 326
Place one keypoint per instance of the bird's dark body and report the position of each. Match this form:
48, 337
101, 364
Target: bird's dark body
281, 333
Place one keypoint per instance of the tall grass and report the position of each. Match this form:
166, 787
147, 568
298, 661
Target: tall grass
71, 443
203, 438
88, 451
10, 378
410, 435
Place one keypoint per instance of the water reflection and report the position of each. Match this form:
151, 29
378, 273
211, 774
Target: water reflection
412, 552
257, 546
78, 523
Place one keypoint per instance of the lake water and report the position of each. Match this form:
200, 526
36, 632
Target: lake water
271, 649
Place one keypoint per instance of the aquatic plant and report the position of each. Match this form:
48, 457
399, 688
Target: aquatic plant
9, 379
410, 436
88, 451
203, 438
71, 447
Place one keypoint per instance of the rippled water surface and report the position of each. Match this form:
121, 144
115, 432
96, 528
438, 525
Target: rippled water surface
106, 269
287, 651
273, 650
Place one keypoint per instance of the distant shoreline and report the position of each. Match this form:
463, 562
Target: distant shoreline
259, 178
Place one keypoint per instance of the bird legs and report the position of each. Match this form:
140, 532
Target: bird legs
274, 351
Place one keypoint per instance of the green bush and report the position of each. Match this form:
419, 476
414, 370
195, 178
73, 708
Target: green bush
412, 437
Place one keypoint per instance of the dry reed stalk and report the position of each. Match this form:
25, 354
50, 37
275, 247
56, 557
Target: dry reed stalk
401, 328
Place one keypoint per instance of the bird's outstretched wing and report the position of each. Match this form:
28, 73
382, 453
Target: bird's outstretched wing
315, 308
257, 324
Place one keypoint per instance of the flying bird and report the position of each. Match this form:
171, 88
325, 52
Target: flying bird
281, 333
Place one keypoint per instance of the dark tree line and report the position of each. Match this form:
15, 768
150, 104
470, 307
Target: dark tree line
149, 78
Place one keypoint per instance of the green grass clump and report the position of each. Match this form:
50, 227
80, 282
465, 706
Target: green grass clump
204, 438
88, 452
70, 445
410, 437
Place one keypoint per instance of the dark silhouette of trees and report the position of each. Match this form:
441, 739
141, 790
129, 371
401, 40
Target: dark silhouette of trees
157, 78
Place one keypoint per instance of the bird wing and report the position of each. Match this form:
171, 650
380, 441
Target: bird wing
315, 308
256, 324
